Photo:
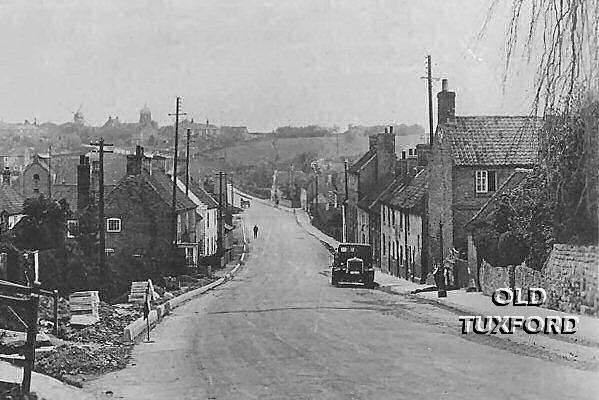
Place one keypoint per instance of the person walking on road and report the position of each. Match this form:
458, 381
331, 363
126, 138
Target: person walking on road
255, 231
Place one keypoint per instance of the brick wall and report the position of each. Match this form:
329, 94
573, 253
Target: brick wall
466, 202
29, 185
570, 277
145, 219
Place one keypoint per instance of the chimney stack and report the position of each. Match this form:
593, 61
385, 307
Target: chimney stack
391, 129
445, 104
6, 176
372, 141
134, 161
83, 183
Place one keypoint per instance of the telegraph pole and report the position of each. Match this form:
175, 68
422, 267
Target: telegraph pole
50, 172
220, 213
345, 200
101, 151
187, 164
429, 78
174, 202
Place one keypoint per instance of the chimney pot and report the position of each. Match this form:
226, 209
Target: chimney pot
386, 130
444, 85
403, 154
391, 129
82, 159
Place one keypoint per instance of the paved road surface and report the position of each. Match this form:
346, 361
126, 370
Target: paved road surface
280, 331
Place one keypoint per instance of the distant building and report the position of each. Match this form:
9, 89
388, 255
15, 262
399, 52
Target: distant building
11, 203
36, 177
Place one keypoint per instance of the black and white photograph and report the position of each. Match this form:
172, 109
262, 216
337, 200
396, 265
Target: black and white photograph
299, 199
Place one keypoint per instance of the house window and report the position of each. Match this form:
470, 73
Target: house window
109, 252
393, 218
36, 178
486, 181
36, 190
408, 222
113, 225
72, 228
384, 219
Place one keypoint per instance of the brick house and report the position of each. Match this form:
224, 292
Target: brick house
404, 227
139, 215
470, 158
34, 180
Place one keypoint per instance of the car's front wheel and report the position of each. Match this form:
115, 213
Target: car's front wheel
334, 280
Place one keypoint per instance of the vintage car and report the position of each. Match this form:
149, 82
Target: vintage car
353, 263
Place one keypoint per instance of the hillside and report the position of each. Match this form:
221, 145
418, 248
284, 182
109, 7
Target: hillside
254, 152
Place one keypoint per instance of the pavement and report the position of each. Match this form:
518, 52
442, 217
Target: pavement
279, 330
44, 386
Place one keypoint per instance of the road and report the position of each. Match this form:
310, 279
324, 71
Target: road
280, 331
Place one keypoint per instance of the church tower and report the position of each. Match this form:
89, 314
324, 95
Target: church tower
145, 116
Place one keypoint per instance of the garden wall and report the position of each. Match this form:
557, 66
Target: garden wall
570, 277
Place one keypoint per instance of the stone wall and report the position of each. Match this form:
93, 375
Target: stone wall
570, 277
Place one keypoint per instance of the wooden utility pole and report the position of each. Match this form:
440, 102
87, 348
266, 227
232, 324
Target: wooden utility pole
429, 78
50, 172
345, 200
220, 214
187, 164
174, 201
430, 98
102, 228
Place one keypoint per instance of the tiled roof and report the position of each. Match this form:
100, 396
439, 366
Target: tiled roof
202, 194
370, 201
10, 200
163, 186
363, 161
410, 195
512, 181
492, 140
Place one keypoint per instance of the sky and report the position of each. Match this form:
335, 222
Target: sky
260, 64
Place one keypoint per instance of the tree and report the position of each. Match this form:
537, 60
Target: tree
566, 34
558, 201
44, 224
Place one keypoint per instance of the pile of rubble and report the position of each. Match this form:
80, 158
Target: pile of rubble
90, 350
109, 330
70, 360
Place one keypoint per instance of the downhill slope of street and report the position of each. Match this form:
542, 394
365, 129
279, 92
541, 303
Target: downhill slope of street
279, 330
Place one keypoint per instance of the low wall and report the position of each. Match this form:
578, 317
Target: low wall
570, 277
